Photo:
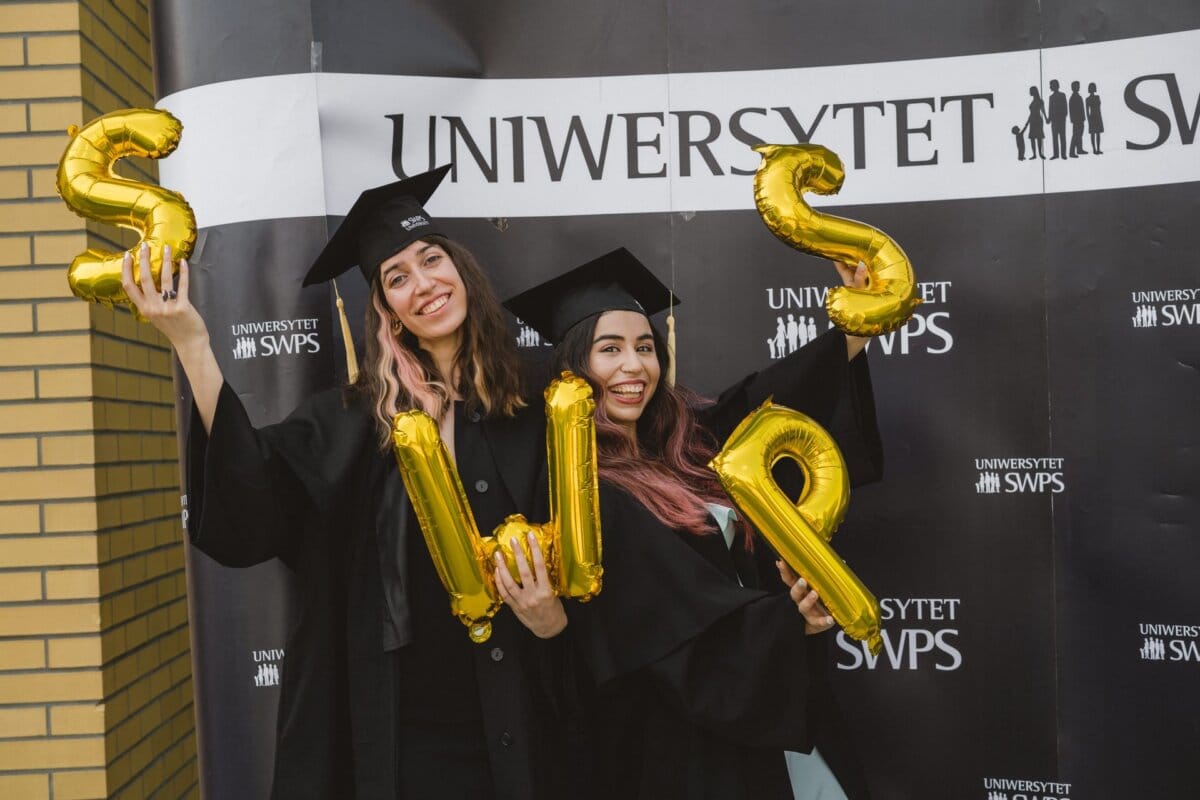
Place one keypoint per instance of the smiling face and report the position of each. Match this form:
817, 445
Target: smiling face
422, 288
623, 361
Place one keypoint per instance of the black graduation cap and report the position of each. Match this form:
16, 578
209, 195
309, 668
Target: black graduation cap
382, 222
615, 281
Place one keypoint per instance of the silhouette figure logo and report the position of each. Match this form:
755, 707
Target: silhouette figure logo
1057, 111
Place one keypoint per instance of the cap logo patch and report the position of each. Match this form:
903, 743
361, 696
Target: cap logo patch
414, 221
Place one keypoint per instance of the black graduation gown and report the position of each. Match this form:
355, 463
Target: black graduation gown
697, 684
316, 491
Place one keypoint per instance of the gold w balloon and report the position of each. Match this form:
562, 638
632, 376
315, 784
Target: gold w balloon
799, 531
89, 185
570, 541
785, 174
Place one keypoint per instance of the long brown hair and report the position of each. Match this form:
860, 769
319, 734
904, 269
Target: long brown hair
666, 468
397, 375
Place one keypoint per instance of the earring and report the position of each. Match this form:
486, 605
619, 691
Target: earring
397, 326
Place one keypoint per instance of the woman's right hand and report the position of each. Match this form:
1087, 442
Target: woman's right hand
169, 310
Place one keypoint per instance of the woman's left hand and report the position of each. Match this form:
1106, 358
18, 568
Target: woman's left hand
816, 617
533, 599
856, 276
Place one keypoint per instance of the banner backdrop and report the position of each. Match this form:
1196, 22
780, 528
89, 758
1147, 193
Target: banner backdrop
1035, 539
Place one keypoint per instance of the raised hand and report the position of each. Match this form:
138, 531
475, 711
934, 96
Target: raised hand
169, 310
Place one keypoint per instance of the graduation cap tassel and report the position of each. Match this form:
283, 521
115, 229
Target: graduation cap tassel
347, 339
671, 343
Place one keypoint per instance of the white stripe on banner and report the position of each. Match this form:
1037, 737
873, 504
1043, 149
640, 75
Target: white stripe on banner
908, 131
251, 149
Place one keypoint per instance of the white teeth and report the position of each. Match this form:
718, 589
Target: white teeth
436, 304
628, 389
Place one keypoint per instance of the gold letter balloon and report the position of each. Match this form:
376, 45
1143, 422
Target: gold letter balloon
89, 185
786, 172
800, 531
570, 541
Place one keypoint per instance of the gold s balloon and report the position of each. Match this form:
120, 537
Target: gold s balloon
570, 541
786, 172
799, 531
89, 185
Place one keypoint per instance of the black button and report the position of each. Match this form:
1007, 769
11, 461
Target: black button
481, 486
475, 416
497, 654
506, 738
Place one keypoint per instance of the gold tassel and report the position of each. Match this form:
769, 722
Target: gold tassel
671, 343
347, 339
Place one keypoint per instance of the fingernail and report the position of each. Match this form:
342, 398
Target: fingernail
531, 537
145, 247
513, 541
498, 557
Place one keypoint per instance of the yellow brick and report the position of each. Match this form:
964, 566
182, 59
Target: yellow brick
16, 722
55, 116
14, 251
19, 519
18, 453
81, 651
41, 149
51, 687
77, 719
12, 52
16, 385
72, 584
16, 587
15, 318
48, 484
70, 517
14, 184
63, 315
47, 551
37, 215
42, 82
27, 284
43, 182
22, 654
49, 619
20, 351
62, 383
12, 118
52, 754
59, 248
26, 787
27, 17
62, 49
67, 450
80, 785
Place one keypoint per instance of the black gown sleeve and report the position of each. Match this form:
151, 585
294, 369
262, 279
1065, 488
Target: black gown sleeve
249, 490
816, 380
730, 660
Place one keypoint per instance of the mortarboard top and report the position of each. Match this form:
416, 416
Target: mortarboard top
382, 222
615, 281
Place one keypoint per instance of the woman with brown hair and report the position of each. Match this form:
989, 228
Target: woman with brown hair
384, 694
697, 671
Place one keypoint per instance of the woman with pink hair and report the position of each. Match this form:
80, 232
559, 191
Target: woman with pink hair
696, 666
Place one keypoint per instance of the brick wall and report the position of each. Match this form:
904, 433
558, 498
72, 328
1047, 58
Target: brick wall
95, 672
